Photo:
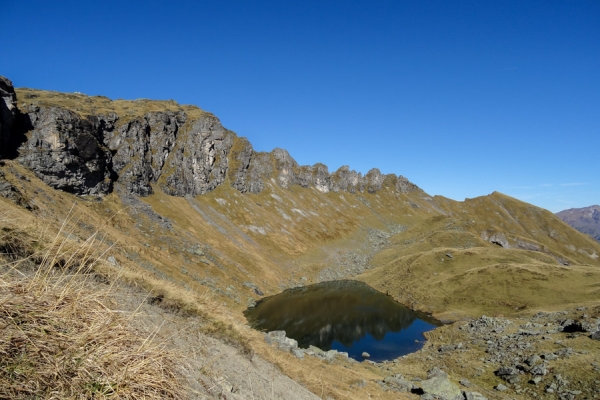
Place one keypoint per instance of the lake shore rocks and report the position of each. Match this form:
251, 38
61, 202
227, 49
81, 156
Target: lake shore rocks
289, 345
527, 357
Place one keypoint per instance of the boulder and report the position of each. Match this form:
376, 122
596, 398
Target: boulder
438, 384
397, 382
474, 396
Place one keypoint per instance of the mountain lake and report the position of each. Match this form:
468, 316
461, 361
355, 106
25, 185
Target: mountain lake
347, 316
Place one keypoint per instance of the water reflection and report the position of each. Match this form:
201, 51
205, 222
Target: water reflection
345, 316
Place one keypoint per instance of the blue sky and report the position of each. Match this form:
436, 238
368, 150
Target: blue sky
461, 97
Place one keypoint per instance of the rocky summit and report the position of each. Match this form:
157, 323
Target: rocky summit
186, 226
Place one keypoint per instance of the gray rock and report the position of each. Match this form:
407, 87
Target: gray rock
595, 335
298, 352
501, 388
317, 351
330, 355
113, 261
549, 356
403, 185
347, 181
8, 113
141, 148
66, 151
536, 380
465, 383
438, 384
474, 396
398, 383
374, 180
199, 160
10, 192
241, 154
533, 360
539, 370
365, 354
260, 168
507, 372
499, 239
282, 342
275, 337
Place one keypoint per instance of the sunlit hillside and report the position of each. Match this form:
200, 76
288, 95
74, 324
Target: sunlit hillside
208, 256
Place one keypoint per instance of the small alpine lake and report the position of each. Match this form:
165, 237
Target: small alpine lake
347, 316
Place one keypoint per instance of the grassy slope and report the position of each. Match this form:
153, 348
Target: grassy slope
482, 277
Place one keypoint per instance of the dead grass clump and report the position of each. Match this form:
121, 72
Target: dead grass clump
58, 338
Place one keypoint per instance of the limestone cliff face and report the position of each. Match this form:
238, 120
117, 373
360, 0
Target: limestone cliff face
88, 153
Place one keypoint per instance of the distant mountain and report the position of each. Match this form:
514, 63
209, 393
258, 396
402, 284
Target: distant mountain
585, 220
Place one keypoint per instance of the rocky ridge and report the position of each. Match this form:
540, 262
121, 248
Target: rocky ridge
88, 153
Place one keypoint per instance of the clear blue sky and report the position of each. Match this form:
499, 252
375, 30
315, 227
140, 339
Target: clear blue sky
461, 97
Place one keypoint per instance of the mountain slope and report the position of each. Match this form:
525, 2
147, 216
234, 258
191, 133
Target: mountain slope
585, 220
190, 212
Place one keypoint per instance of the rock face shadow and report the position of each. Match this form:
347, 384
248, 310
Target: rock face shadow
347, 316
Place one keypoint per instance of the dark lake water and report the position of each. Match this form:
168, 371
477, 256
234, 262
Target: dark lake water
346, 316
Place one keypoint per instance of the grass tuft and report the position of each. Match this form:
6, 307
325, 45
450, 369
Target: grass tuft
60, 339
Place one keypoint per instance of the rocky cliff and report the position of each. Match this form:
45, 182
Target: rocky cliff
85, 145
8, 112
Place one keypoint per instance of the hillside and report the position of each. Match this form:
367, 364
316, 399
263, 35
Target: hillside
202, 226
585, 220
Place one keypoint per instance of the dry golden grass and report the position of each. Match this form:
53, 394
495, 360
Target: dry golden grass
58, 336
94, 105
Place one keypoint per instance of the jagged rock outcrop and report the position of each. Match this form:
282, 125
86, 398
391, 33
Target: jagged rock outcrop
374, 180
141, 148
241, 155
260, 168
199, 160
66, 151
403, 185
8, 112
320, 178
345, 180
286, 166
87, 153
